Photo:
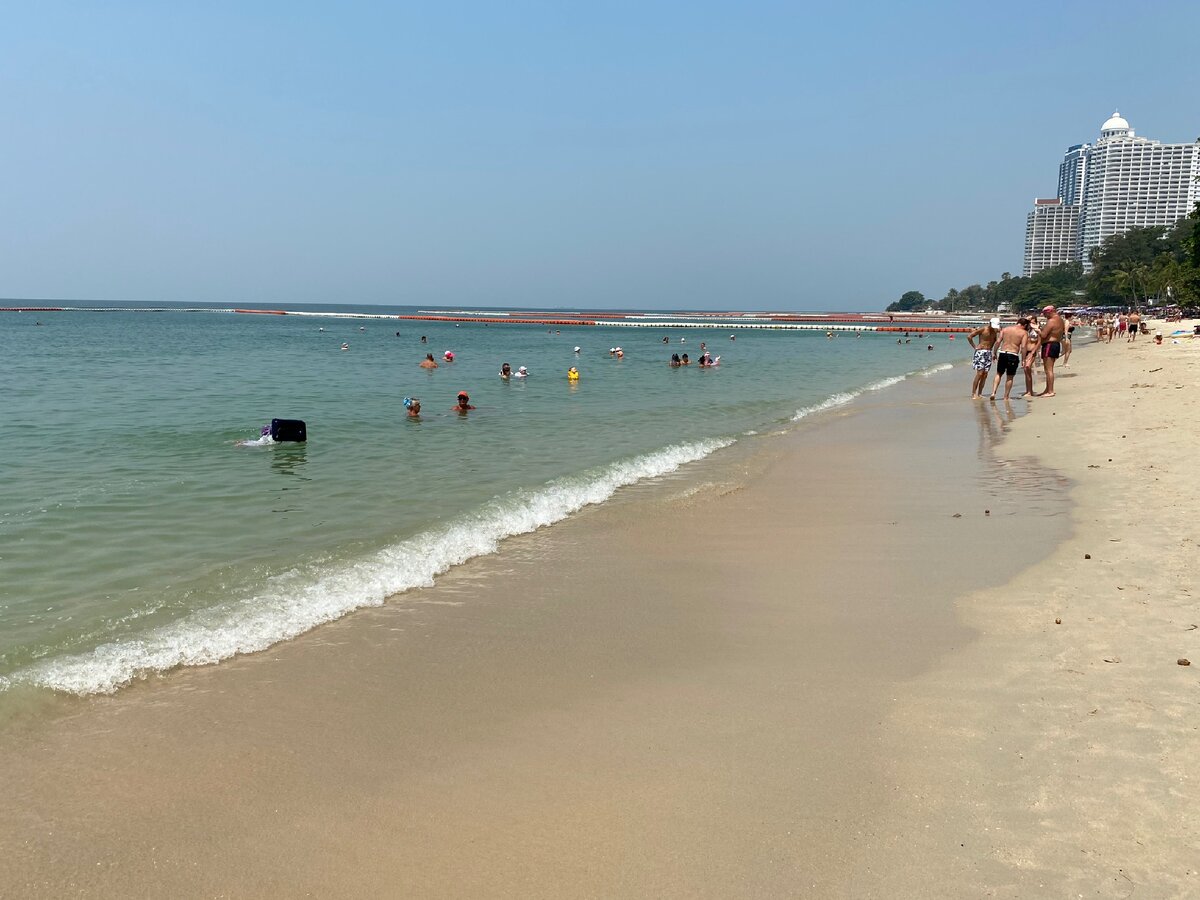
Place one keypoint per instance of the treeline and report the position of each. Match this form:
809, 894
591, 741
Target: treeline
1143, 266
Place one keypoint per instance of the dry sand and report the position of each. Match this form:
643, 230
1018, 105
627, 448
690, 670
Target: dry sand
748, 680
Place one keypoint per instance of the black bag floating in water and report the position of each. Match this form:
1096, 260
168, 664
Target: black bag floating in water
288, 430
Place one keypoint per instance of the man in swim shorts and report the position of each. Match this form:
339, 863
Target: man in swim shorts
982, 362
1011, 344
1051, 337
1135, 322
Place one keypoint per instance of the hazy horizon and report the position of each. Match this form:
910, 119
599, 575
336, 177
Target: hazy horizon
663, 156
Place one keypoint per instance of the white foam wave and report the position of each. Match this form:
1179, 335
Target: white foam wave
933, 370
844, 397
828, 403
299, 600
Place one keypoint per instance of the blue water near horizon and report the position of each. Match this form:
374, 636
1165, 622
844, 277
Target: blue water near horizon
135, 535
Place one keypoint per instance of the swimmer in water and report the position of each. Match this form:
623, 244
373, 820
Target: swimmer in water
505, 371
576, 351
448, 356
522, 372
428, 362
345, 346
675, 362
684, 361
463, 404
572, 374
413, 405
264, 437
423, 340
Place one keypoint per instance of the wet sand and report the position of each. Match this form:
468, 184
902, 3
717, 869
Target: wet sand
694, 690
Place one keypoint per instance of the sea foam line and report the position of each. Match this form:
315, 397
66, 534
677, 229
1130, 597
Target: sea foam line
299, 600
844, 397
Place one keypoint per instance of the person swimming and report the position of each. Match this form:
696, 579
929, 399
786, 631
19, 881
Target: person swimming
522, 372
463, 404
572, 374
413, 405
428, 362
675, 362
505, 371
448, 356
264, 438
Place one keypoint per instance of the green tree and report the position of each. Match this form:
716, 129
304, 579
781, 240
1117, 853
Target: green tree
910, 301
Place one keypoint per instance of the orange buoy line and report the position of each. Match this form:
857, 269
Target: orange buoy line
752, 321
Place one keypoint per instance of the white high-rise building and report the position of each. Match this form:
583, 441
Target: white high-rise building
1120, 182
1051, 235
1133, 182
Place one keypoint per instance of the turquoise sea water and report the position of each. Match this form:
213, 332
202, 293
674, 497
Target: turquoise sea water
136, 535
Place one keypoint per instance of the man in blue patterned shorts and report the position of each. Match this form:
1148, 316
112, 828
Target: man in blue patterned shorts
986, 336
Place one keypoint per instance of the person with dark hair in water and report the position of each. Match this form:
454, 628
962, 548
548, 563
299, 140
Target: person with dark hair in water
463, 404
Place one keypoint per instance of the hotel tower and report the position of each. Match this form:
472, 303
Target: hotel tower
1120, 182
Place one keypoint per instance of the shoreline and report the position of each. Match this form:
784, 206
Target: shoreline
795, 690
572, 717
214, 635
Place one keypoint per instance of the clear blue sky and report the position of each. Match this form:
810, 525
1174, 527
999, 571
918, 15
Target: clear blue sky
695, 155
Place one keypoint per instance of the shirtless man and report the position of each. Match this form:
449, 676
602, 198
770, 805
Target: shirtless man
1051, 339
982, 361
1135, 321
1011, 347
428, 362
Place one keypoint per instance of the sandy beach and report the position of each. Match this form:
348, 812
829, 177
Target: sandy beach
1048, 759
825, 664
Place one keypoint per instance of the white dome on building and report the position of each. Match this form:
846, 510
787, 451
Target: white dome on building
1115, 123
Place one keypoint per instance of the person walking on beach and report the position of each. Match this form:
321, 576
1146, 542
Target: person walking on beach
1011, 342
428, 362
1135, 321
1051, 340
982, 360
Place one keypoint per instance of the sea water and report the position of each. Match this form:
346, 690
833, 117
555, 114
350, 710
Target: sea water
137, 534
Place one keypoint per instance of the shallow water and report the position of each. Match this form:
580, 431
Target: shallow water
135, 535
